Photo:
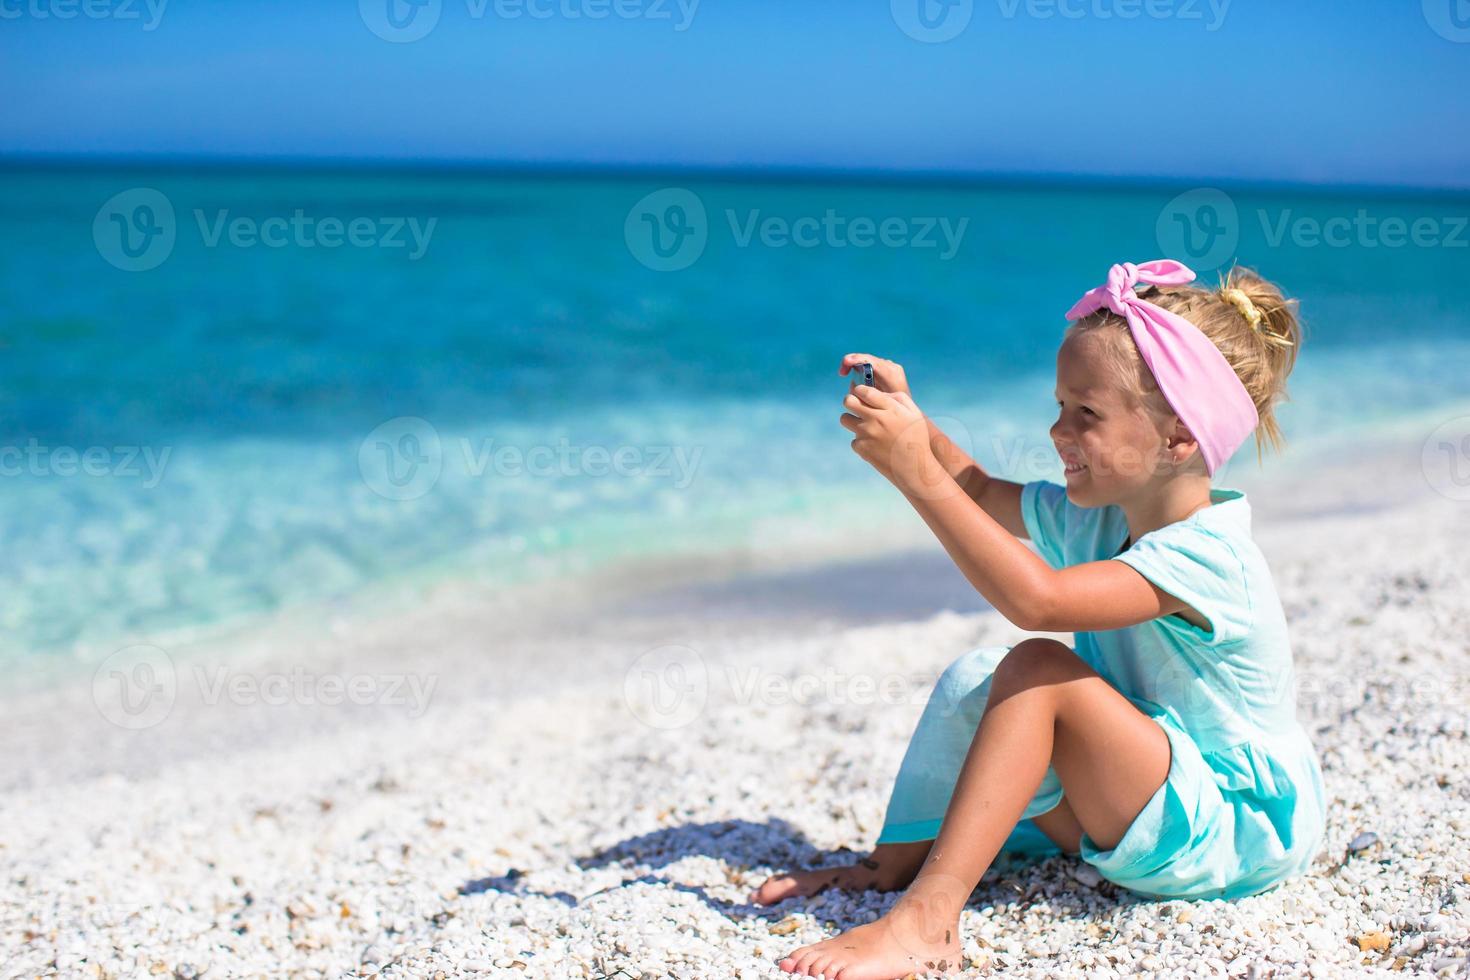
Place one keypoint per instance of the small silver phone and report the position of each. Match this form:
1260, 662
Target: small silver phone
862, 374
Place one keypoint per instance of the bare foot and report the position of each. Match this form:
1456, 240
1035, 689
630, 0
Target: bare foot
889, 868
918, 935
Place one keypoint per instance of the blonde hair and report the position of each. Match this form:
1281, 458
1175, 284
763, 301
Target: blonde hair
1247, 317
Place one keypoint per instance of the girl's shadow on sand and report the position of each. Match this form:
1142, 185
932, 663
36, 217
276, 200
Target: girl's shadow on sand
744, 846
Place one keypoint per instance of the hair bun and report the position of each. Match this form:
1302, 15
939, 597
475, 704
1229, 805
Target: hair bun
1236, 297
1271, 315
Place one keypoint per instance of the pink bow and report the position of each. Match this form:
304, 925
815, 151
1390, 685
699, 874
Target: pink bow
1192, 374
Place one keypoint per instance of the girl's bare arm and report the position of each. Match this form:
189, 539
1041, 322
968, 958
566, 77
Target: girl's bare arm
1001, 499
1097, 595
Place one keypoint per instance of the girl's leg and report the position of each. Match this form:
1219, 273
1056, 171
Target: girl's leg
1060, 824
893, 866
888, 868
1046, 706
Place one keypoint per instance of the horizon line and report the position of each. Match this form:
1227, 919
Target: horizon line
753, 173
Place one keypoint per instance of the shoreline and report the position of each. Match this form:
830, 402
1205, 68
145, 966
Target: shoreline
462, 641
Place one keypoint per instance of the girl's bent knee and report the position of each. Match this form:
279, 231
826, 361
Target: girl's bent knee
1040, 660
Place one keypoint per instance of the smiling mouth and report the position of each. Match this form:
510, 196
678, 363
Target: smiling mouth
1073, 468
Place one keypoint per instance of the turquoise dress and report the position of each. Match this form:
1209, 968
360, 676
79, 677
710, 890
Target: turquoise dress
1243, 806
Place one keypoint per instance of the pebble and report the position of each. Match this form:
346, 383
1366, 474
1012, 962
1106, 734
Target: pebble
1088, 875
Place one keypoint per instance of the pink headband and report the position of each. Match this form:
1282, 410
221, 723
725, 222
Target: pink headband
1192, 374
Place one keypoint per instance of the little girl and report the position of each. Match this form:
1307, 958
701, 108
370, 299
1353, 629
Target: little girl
1165, 750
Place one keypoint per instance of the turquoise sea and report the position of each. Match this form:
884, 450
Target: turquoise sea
227, 392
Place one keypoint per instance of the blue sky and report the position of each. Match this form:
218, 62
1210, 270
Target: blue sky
1308, 90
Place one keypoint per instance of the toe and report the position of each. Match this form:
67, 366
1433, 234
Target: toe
792, 962
806, 959
822, 967
773, 890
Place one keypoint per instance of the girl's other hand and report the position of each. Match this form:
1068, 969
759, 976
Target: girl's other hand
891, 434
887, 375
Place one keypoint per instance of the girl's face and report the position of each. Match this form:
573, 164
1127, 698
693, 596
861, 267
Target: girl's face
1111, 451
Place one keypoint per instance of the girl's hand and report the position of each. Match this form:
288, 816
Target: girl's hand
887, 375
893, 436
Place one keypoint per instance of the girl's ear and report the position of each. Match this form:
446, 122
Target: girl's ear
1181, 445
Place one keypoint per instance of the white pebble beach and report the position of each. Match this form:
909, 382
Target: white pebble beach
522, 804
